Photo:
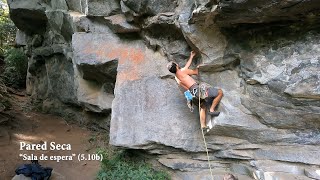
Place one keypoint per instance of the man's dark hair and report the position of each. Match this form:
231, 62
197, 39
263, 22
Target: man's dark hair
229, 176
172, 67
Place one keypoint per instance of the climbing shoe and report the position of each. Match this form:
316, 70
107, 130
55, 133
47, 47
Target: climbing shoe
214, 113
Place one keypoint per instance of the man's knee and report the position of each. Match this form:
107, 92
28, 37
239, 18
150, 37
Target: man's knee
203, 106
220, 92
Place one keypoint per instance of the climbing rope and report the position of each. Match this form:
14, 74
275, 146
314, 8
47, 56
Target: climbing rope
204, 139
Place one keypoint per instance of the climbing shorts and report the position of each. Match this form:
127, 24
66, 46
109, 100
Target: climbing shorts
207, 92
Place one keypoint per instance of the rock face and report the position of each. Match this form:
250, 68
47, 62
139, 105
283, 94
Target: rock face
109, 58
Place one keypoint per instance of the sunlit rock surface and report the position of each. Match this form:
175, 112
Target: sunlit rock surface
109, 58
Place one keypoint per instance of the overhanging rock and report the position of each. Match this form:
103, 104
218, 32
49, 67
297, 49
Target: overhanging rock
93, 91
231, 12
28, 16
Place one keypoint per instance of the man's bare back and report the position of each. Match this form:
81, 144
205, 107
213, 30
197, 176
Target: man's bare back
185, 80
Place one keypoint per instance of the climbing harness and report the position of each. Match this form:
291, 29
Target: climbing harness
203, 88
202, 129
203, 93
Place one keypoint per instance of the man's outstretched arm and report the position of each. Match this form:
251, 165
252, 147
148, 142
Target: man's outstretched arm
192, 54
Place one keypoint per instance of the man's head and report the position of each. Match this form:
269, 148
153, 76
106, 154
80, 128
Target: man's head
172, 67
229, 176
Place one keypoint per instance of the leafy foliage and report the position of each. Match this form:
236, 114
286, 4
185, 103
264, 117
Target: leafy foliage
16, 68
7, 28
126, 166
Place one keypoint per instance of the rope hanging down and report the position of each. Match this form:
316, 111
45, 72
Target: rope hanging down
204, 139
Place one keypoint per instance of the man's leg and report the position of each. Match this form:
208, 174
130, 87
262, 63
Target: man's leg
216, 100
203, 116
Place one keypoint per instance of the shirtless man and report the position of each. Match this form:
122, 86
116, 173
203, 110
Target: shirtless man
211, 97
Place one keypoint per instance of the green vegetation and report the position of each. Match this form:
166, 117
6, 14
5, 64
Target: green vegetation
15, 72
127, 165
7, 28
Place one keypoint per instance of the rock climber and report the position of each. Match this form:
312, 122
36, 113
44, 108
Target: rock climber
229, 176
209, 95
